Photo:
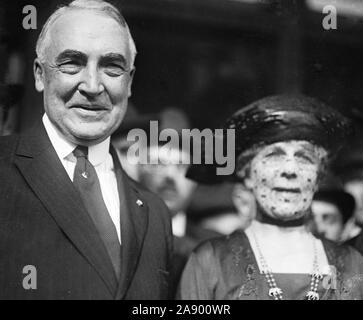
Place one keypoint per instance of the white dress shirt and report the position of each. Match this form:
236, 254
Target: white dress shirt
102, 161
179, 224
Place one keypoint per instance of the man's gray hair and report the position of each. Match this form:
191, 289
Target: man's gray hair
95, 5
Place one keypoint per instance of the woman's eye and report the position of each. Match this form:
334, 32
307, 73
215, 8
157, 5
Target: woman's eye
273, 154
306, 158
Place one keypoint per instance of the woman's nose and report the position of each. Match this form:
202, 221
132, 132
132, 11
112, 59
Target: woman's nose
289, 169
289, 175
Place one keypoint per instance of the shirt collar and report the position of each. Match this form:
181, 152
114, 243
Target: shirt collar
179, 224
97, 154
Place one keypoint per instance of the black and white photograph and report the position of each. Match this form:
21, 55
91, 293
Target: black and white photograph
194, 151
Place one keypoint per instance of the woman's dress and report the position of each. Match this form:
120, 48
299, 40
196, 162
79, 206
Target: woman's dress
225, 268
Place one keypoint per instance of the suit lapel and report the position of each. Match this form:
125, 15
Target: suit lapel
39, 164
134, 221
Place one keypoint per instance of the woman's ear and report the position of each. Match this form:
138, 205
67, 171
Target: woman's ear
248, 183
244, 201
245, 175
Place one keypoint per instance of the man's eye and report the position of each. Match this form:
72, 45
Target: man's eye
114, 70
70, 67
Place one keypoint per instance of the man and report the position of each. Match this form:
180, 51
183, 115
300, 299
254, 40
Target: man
331, 209
350, 168
71, 220
166, 177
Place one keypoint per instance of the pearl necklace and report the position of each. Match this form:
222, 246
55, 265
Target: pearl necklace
277, 292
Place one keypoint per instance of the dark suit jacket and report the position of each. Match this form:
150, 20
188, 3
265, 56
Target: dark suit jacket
43, 223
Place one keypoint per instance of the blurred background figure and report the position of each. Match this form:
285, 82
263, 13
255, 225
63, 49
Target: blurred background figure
349, 167
331, 209
167, 179
220, 209
11, 93
123, 138
164, 174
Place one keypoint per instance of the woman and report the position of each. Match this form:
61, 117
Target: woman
283, 144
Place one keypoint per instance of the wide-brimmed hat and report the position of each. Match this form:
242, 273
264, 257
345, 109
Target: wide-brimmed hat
280, 118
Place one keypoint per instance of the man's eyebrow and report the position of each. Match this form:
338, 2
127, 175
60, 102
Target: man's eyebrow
114, 57
71, 54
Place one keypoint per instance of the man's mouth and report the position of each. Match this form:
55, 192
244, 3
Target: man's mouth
90, 107
292, 190
168, 191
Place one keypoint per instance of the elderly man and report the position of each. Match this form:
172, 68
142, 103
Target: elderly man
73, 225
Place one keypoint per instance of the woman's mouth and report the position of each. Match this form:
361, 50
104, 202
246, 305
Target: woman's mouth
291, 190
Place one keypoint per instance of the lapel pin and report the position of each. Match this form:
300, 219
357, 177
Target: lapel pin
139, 203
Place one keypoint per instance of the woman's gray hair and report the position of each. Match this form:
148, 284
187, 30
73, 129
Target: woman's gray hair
95, 5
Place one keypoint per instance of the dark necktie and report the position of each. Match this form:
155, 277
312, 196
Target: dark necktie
86, 182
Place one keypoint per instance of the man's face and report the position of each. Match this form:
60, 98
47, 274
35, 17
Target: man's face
167, 178
283, 177
83, 77
327, 220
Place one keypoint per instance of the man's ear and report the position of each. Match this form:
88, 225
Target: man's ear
132, 72
38, 75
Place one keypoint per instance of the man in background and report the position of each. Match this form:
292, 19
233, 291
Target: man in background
331, 209
165, 175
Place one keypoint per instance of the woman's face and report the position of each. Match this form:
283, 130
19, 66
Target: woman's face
283, 177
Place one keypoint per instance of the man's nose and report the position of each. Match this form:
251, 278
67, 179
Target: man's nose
91, 84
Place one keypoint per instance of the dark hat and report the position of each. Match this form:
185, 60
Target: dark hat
343, 200
281, 118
